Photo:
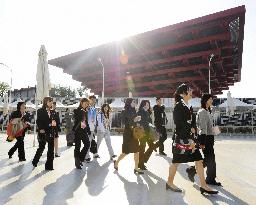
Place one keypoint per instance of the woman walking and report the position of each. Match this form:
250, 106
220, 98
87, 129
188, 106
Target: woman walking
104, 127
46, 124
19, 114
206, 140
130, 144
56, 130
184, 147
82, 132
144, 112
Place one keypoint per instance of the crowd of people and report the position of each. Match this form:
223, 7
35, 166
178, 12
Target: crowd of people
87, 127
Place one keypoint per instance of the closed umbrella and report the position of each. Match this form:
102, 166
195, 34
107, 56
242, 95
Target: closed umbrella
42, 75
43, 84
30, 105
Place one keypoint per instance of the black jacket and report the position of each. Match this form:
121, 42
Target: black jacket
183, 120
43, 120
57, 117
79, 116
160, 116
145, 119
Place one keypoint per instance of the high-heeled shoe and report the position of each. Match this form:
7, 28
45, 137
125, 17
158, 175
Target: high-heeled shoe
116, 168
202, 190
136, 171
167, 187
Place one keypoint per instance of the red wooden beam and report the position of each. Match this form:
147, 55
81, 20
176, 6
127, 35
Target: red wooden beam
155, 62
137, 76
153, 83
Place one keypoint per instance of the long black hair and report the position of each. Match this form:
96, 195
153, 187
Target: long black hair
205, 97
128, 102
102, 109
143, 103
19, 105
182, 89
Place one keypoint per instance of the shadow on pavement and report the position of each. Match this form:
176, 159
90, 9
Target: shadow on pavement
64, 188
96, 175
157, 192
136, 192
11, 189
228, 198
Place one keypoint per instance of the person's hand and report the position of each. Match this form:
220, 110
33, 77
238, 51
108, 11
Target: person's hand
41, 131
193, 145
54, 123
137, 119
202, 146
193, 130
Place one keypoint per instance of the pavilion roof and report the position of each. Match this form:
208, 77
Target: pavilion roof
160, 60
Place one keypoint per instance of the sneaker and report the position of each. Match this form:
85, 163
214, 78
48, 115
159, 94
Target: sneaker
214, 183
88, 160
163, 153
112, 157
56, 155
96, 156
34, 164
143, 167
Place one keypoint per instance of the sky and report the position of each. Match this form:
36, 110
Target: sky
65, 27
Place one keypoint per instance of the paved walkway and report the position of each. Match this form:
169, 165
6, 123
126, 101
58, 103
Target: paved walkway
98, 183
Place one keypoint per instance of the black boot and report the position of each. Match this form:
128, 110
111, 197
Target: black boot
78, 163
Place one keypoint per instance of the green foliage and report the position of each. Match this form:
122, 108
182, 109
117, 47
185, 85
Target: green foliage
81, 91
4, 87
60, 91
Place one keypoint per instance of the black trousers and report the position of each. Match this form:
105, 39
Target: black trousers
144, 156
20, 146
163, 137
209, 159
42, 140
81, 135
93, 147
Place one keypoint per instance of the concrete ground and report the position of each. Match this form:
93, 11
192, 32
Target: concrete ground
98, 183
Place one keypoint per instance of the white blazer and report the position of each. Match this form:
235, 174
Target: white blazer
100, 120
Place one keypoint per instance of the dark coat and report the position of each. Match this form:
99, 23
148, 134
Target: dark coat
183, 120
79, 116
130, 144
160, 116
145, 119
56, 116
44, 121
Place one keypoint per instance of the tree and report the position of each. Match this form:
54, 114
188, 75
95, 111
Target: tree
4, 88
82, 91
60, 91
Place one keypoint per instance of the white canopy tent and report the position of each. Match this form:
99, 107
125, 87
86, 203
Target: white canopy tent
30, 105
60, 105
195, 103
13, 105
117, 104
238, 104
